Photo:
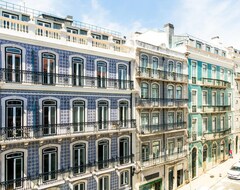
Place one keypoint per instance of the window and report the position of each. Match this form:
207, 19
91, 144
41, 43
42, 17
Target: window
214, 98
103, 114
208, 48
156, 149
229, 122
155, 91
170, 120
199, 45
223, 53
123, 113
179, 117
124, 150
216, 51
194, 69
194, 129
222, 74
103, 183
229, 99
10, 15
50, 163
49, 68
205, 124
77, 71
124, 178
171, 147
229, 76
57, 26
144, 61
144, 121
13, 64
179, 68
222, 99
45, 24
122, 76
154, 65
14, 118
145, 151
103, 154
83, 32
214, 76
179, 145
79, 186
170, 92
7, 24
96, 36
102, 74
144, 90
78, 115
73, 31
25, 18
155, 120
79, 158
49, 117
204, 71
194, 101
14, 170
170, 66
214, 124
222, 123
179, 92
205, 98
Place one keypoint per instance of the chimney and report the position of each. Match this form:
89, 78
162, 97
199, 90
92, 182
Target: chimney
169, 30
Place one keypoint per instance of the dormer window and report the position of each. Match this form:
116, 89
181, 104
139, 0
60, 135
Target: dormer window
208, 48
10, 15
73, 31
57, 26
224, 54
96, 36
45, 24
216, 51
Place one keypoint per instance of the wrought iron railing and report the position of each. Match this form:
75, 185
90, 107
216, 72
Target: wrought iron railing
160, 74
216, 82
145, 129
161, 102
215, 108
39, 131
44, 78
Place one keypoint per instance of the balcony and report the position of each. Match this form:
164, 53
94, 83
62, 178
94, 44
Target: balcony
31, 30
215, 83
160, 128
64, 130
148, 162
41, 78
176, 155
52, 178
160, 75
160, 103
215, 108
216, 134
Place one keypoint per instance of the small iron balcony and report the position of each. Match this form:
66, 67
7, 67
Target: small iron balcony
215, 83
161, 102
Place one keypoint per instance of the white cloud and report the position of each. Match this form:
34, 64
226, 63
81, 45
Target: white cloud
208, 18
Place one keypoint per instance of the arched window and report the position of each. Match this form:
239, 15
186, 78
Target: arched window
79, 186
123, 113
124, 178
49, 68
49, 117
79, 158
179, 68
101, 74
14, 118
78, 115
103, 115
122, 76
14, 170
155, 65
170, 66
179, 92
170, 92
77, 71
144, 63
155, 91
13, 64
144, 90
124, 150
103, 154
50, 163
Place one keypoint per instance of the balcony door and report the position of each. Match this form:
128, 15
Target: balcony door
101, 74
49, 117
103, 154
102, 115
49, 68
78, 115
122, 76
124, 150
123, 113
77, 71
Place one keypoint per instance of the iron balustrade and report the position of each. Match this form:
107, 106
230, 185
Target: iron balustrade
216, 134
59, 174
146, 129
162, 102
52, 79
176, 155
216, 82
215, 108
39, 131
160, 74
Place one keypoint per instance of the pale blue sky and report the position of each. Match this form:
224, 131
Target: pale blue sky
200, 18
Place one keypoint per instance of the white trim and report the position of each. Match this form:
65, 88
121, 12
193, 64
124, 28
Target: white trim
140, 58
3, 103
40, 101
71, 108
70, 65
168, 62
40, 52
129, 178
71, 150
207, 103
194, 61
179, 62
122, 63
173, 90
71, 185
58, 154
95, 66
2, 158
128, 108
118, 144
151, 85
109, 148
3, 46
109, 180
